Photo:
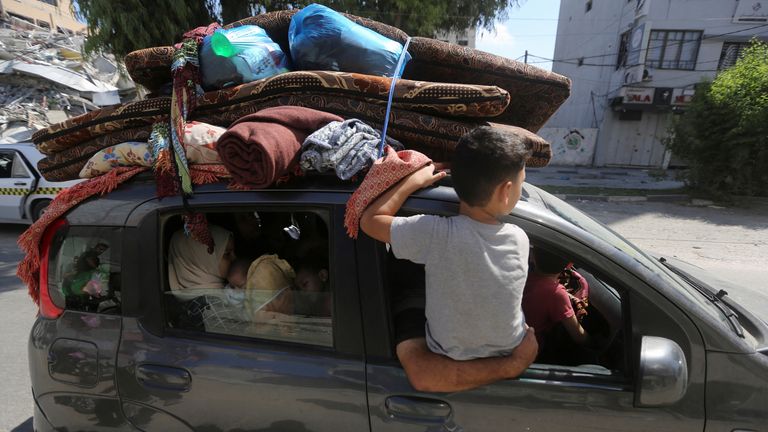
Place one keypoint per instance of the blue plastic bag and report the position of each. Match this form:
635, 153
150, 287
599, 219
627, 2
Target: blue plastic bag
248, 55
323, 39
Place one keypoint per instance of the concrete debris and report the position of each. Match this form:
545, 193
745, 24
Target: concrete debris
45, 79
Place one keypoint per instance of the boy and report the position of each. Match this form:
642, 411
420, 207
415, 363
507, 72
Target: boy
546, 303
475, 266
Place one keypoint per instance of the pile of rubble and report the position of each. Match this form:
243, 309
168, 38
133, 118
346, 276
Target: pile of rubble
44, 79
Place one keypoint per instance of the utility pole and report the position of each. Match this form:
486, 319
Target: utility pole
526, 56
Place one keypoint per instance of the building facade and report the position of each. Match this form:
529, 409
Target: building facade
50, 14
636, 63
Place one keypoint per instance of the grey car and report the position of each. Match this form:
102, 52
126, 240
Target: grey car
116, 348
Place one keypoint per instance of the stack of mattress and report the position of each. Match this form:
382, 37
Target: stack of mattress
446, 91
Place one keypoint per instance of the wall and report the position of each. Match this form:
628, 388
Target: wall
571, 147
37, 11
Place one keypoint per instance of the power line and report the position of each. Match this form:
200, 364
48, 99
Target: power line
670, 45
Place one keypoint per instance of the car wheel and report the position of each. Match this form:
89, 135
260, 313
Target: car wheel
38, 208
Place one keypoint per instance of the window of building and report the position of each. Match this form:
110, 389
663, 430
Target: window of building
54, 3
673, 49
84, 269
731, 52
44, 24
621, 60
630, 115
269, 276
463, 42
589, 6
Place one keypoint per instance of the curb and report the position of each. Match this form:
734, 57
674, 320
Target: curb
625, 198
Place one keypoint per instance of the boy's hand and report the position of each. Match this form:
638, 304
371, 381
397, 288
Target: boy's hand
424, 177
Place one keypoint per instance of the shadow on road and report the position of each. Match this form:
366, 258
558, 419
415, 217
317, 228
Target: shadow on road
24, 427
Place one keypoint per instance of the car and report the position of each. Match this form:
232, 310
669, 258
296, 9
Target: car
675, 351
24, 192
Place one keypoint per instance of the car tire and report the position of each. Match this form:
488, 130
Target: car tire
38, 208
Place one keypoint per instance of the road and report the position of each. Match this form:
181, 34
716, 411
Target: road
732, 242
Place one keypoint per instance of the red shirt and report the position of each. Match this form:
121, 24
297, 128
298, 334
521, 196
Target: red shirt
545, 303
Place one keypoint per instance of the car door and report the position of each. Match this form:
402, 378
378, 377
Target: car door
307, 375
546, 397
16, 182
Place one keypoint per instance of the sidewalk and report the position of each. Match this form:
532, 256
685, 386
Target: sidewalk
609, 184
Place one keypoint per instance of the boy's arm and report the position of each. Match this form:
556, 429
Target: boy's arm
377, 218
575, 330
430, 372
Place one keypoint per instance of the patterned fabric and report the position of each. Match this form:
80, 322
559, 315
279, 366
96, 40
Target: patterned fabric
200, 142
435, 136
124, 154
463, 100
351, 94
385, 173
150, 67
536, 93
541, 151
346, 147
60, 136
66, 164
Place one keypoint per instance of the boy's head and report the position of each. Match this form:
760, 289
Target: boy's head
238, 273
311, 275
488, 168
548, 263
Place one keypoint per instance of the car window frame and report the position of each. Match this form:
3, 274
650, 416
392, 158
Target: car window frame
147, 304
380, 338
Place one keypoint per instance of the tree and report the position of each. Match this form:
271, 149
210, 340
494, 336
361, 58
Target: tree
128, 25
125, 26
724, 133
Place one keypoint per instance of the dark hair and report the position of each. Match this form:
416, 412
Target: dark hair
547, 262
239, 265
483, 159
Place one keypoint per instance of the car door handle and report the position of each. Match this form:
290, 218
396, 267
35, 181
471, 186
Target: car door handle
418, 409
20, 184
163, 377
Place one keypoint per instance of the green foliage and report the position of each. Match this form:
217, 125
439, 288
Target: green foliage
724, 133
128, 25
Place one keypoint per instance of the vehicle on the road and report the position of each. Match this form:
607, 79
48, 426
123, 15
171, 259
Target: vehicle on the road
24, 193
674, 352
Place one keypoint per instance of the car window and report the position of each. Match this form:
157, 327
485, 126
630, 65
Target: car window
572, 291
267, 276
588, 224
84, 269
19, 169
6, 164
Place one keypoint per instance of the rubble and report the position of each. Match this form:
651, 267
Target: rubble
44, 79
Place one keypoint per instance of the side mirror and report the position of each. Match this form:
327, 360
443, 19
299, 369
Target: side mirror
663, 372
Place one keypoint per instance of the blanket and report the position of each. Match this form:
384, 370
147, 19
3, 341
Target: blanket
262, 147
345, 147
385, 173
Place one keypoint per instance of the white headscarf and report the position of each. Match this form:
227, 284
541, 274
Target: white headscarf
189, 263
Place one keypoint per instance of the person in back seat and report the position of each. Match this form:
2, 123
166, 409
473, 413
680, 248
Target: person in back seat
191, 266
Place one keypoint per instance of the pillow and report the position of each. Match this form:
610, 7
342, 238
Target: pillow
200, 141
124, 154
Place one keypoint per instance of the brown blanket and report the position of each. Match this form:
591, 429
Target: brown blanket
262, 147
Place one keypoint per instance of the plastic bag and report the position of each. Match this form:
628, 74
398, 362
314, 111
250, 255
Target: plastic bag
239, 55
323, 39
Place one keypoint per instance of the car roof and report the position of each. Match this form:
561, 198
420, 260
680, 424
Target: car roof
115, 208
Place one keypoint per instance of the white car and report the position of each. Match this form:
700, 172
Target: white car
24, 193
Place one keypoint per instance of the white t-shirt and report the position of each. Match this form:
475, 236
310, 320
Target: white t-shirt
475, 276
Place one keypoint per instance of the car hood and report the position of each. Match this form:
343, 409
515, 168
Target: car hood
750, 305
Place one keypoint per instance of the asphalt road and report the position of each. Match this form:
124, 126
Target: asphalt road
732, 242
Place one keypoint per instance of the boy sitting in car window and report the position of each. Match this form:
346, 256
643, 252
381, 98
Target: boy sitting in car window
475, 265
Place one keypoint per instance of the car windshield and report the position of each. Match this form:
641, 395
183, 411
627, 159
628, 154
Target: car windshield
590, 225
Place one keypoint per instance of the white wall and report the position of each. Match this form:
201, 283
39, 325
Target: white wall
571, 147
